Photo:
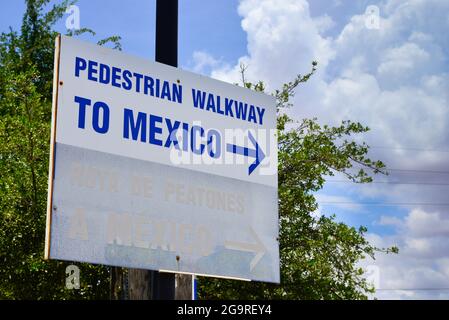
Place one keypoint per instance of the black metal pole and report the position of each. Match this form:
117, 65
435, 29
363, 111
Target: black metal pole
167, 32
163, 284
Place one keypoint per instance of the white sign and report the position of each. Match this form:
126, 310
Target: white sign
157, 168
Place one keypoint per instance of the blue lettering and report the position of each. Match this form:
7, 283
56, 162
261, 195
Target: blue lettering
92, 70
260, 112
177, 93
136, 127
185, 136
199, 98
210, 138
80, 64
96, 115
116, 76
148, 83
105, 74
219, 106
210, 103
83, 102
172, 128
158, 83
122, 78
127, 84
252, 114
193, 135
166, 91
228, 107
154, 129
138, 77
240, 110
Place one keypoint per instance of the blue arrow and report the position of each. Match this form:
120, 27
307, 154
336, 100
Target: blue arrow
256, 153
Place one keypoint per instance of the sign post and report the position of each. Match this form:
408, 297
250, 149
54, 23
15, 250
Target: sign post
157, 168
162, 284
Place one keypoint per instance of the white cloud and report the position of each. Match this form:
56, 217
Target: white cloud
398, 64
282, 38
427, 224
324, 23
203, 62
422, 262
389, 221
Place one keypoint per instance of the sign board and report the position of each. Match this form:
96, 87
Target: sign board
157, 168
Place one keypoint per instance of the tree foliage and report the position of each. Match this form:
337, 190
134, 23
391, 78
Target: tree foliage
26, 73
318, 255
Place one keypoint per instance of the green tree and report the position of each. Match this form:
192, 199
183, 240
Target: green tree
318, 255
26, 72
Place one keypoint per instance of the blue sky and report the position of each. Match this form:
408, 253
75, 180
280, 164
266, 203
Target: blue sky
393, 78
203, 25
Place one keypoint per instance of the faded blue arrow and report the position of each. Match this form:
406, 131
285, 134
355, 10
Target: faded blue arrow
256, 153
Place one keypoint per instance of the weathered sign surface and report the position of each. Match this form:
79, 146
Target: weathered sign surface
157, 168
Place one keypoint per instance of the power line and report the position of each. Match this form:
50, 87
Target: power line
412, 289
393, 182
409, 149
410, 170
417, 170
384, 203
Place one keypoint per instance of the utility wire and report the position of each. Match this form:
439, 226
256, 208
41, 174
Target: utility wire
412, 289
417, 170
409, 170
409, 149
384, 203
392, 182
